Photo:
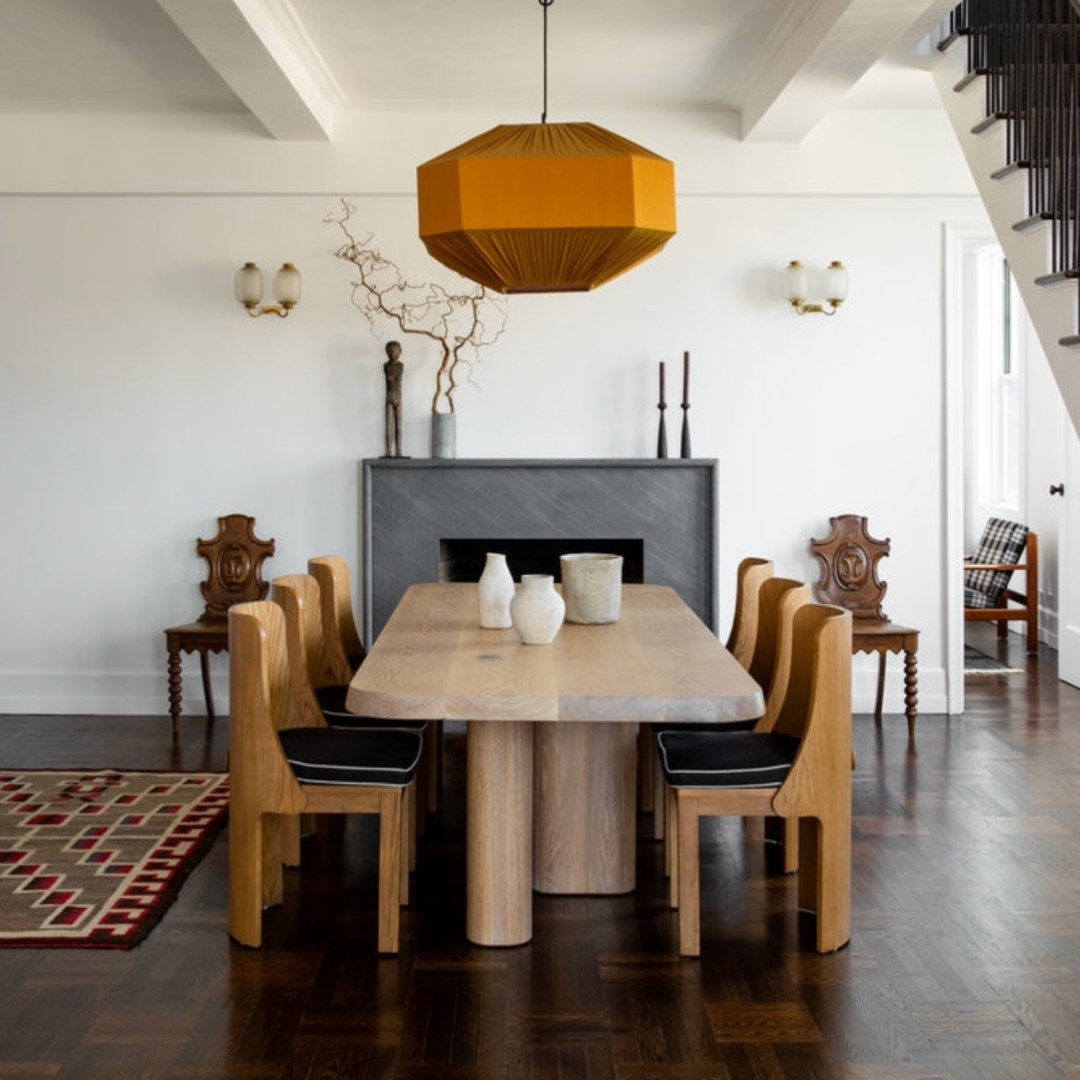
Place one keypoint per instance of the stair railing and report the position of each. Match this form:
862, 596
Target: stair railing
1028, 52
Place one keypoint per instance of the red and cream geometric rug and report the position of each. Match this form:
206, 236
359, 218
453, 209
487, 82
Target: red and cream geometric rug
93, 859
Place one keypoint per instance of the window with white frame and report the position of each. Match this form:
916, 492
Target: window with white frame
998, 402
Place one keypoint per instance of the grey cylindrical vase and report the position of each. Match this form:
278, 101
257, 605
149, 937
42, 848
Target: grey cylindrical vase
592, 587
443, 435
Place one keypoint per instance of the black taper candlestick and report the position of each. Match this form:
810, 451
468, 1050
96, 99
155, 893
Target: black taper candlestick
684, 450
661, 435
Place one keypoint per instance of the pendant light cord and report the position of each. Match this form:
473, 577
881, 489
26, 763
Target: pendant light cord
545, 4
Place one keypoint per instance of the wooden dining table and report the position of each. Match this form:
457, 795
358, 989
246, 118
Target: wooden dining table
552, 729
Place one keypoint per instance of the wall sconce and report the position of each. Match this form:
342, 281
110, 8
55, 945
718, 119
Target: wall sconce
834, 286
249, 290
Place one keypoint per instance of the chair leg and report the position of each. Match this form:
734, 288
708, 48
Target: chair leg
880, 685
687, 871
671, 850
246, 864
825, 880
290, 839
660, 801
393, 867
647, 790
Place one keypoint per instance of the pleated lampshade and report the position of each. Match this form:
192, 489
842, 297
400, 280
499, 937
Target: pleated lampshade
545, 207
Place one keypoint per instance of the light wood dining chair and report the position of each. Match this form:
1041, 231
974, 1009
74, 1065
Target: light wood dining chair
299, 598
774, 600
743, 636
800, 769
280, 766
341, 652
741, 642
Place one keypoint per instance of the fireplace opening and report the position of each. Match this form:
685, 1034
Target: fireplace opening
463, 559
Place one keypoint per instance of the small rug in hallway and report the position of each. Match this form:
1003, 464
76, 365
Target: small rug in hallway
94, 859
978, 663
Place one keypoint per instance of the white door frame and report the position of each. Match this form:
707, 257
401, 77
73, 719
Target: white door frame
956, 240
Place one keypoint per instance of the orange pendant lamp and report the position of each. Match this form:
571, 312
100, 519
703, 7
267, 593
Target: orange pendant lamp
545, 207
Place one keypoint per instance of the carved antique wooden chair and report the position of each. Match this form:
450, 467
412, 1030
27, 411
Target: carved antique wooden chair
988, 574
849, 556
279, 766
235, 557
800, 769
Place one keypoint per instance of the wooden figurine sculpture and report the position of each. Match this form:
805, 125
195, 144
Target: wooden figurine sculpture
394, 370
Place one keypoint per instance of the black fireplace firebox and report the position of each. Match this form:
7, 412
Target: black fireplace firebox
432, 520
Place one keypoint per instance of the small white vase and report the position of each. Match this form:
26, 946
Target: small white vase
537, 610
495, 591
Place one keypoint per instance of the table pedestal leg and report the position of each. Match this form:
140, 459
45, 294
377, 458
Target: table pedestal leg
586, 808
499, 823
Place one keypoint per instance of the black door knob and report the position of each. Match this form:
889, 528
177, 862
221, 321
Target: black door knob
1057, 489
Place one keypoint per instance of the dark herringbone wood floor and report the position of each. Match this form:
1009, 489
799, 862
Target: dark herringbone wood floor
964, 961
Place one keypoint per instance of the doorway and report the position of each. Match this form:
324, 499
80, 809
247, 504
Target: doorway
1006, 428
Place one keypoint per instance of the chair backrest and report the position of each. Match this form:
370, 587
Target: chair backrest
790, 602
742, 639
235, 557
342, 649
817, 710
298, 597
261, 703
772, 595
1002, 544
849, 556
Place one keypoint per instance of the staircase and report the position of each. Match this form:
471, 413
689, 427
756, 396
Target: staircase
1010, 82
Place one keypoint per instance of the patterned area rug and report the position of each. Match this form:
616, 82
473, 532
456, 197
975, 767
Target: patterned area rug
94, 859
978, 663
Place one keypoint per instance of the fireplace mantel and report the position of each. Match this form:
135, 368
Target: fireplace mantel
411, 506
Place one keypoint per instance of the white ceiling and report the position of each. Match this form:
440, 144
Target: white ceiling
781, 64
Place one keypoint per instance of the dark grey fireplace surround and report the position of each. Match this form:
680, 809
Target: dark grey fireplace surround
411, 507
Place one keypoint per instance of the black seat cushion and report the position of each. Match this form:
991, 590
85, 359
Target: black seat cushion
356, 758
725, 758
331, 700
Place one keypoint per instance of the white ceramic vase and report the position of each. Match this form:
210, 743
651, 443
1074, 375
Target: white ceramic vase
537, 610
495, 591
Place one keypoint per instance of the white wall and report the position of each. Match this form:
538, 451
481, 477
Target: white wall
138, 402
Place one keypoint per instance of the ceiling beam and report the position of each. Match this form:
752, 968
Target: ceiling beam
262, 51
816, 53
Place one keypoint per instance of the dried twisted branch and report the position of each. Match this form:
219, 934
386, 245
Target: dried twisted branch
461, 323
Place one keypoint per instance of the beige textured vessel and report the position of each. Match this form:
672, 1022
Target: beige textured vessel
592, 587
